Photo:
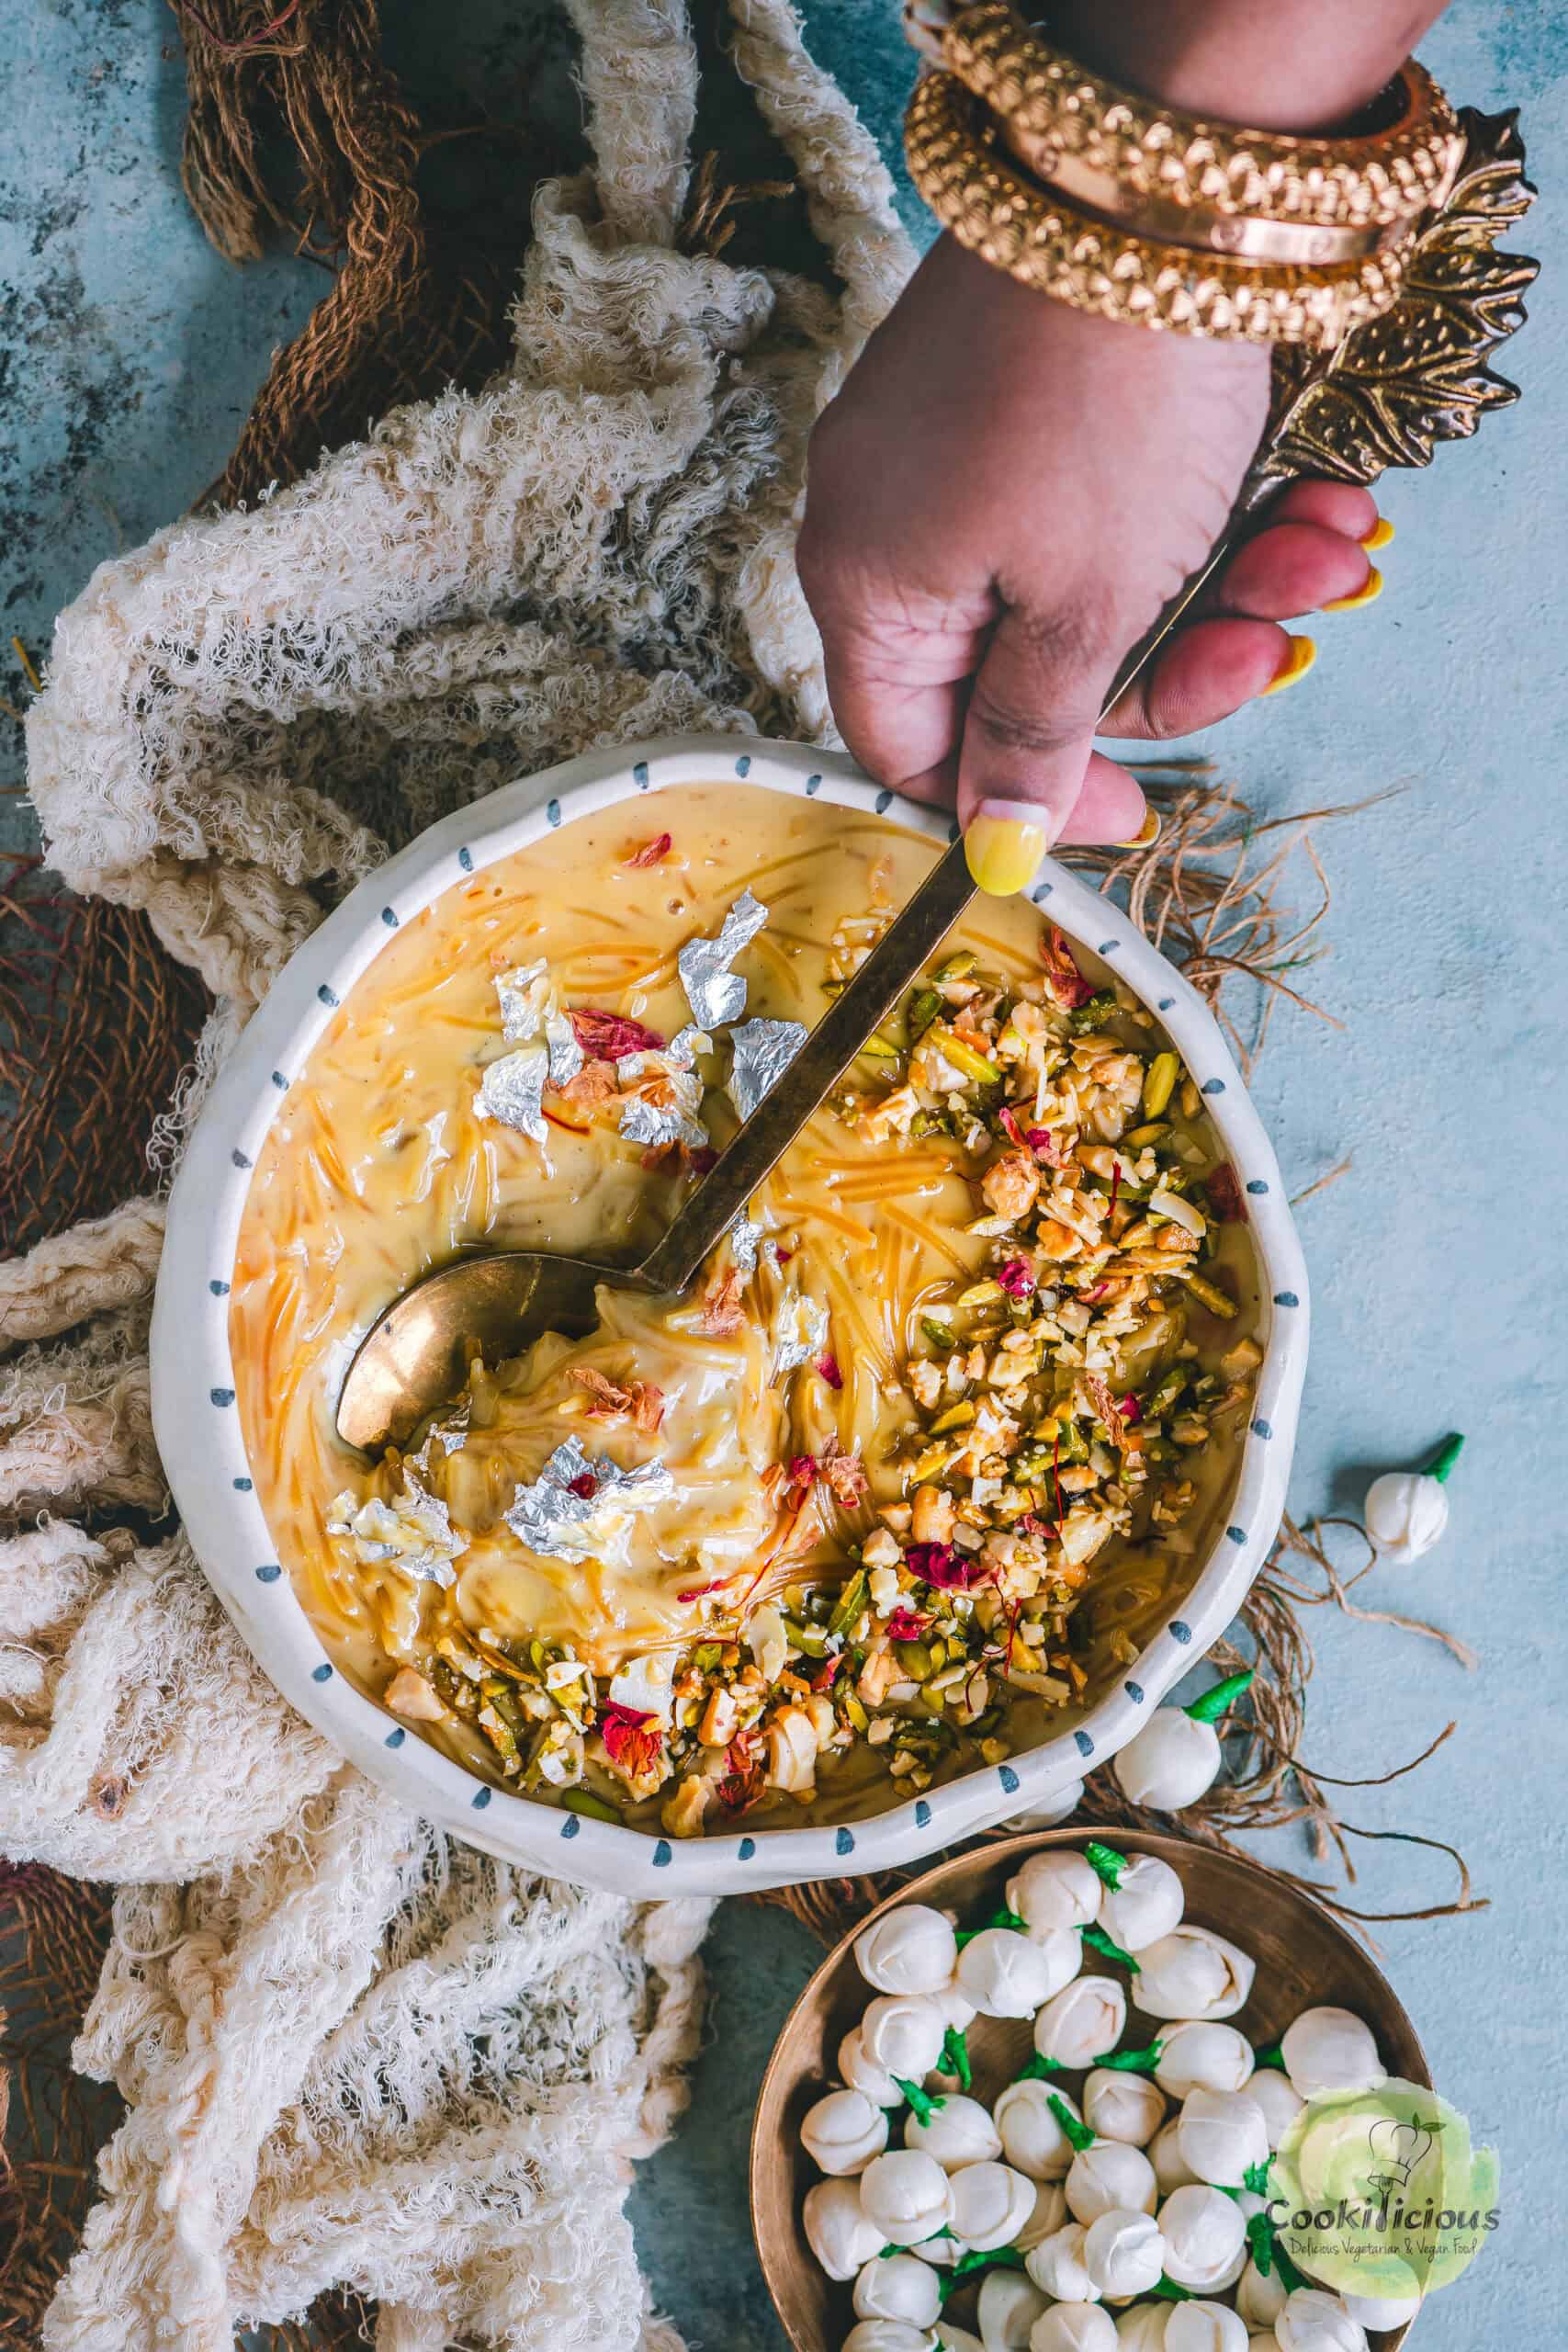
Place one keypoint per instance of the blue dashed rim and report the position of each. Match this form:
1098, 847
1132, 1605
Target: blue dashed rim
194, 1393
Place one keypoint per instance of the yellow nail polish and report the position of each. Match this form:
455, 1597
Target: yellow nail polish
1368, 593
1296, 664
1379, 536
1148, 832
1003, 855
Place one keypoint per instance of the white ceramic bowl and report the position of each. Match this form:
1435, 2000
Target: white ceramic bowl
194, 1382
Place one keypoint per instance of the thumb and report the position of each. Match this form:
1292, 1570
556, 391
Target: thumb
1028, 740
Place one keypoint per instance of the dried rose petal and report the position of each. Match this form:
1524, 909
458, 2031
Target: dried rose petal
1017, 1278
827, 1366
1063, 978
632, 1741
906, 1625
827, 1673
652, 852
1043, 1143
950, 1570
585, 1483
608, 1036
1007, 1120
803, 1471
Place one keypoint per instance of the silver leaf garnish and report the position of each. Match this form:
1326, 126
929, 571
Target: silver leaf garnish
676, 1121
800, 1333
764, 1051
512, 1089
526, 997
716, 994
745, 1240
552, 1520
566, 1054
413, 1533
453, 1434
686, 1044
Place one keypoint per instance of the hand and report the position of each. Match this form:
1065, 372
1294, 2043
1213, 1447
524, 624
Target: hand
1000, 502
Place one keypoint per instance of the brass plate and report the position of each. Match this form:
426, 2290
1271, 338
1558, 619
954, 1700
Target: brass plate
1304, 1961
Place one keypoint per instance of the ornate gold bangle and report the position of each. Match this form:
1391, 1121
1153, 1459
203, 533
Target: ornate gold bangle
978, 194
1085, 135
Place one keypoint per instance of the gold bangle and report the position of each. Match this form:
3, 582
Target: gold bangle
976, 192
1156, 155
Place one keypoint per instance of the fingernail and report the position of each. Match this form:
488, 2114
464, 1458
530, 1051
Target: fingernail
1368, 593
1296, 664
1381, 534
1003, 853
1148, 832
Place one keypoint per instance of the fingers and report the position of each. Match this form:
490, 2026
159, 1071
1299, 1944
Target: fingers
1031, 717
1289, 568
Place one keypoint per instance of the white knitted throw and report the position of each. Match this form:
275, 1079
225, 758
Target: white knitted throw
352, 2051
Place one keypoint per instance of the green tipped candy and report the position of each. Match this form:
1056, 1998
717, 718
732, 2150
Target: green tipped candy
1106, 1863
921, 2104
1270, 2055
1255, 2179
1166, 2290
1132, 2062
1098, 1941
997, 1919
1078, 2133
1443, 1461
1038, 2068
955, 2056
1006, 2258
1214, 1703
1268, 2255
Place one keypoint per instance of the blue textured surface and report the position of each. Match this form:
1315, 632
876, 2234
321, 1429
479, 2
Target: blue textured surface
128, 354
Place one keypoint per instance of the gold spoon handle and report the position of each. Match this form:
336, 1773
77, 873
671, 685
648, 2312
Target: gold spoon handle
891, 968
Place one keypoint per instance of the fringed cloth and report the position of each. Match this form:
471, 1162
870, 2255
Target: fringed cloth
366, 2073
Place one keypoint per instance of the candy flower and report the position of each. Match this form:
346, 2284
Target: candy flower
1223, 2136
873, 2082
1084, 2019
1008, 1975
1194, 1974
1177, 1756
899, 2287
1205, 2238
886, 2335
1199, 2056
960, 2132
1120, 2106
1330, 2050
1107, 2177
1009, 2306
1124, 2252
1279, 2100
1034, 2140
1204, 2327
907, 2194
903, 2034
1056, 2267
990, 2205
1260, 2296
1075, 2327
1408, 1511
1315, 2321
913, 1950
1171, 2169
837, 2228
1378, 2314
843, 2132
1143, 1902
1059, 1889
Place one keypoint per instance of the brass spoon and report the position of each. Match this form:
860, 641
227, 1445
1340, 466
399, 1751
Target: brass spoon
414, 1356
